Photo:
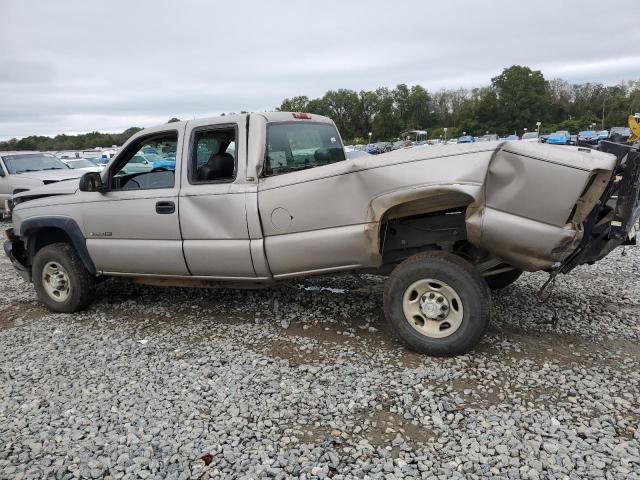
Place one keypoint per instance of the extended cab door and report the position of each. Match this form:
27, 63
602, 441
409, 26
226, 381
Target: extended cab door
213, 199
313, 202
134, 228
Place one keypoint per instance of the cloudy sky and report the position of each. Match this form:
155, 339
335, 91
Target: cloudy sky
76, 65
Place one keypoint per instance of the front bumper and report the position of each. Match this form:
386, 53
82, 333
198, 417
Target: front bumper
14, 249
614, 220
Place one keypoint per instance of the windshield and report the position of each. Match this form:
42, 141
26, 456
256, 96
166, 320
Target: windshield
32, 162
81, 164
297, 146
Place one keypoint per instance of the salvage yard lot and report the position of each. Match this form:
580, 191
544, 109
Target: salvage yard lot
308, 382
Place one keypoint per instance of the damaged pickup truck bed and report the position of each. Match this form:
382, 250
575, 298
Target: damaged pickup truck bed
258, 198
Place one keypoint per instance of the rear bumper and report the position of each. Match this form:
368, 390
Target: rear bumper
14, 250
614, 220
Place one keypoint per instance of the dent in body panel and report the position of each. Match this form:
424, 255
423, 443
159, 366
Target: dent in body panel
218, 216
527, 244
524, 218
533, 188
344, 204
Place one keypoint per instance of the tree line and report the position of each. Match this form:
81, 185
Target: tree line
516, 99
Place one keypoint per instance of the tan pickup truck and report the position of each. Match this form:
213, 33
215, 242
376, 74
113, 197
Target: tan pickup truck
260, 198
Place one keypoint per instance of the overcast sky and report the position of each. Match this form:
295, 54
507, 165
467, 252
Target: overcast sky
77, 65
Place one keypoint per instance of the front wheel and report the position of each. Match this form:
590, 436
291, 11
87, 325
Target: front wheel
437, 303
61, 280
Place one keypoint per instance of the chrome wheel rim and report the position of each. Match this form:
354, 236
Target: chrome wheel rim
433, 308
56, 281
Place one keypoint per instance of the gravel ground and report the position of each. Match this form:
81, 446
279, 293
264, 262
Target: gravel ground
306, 381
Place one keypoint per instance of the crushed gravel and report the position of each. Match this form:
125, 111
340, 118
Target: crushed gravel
306, 381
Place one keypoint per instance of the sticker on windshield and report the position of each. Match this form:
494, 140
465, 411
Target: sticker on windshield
333, 139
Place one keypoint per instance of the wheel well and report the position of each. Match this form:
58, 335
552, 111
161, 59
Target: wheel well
405, 236
41, 237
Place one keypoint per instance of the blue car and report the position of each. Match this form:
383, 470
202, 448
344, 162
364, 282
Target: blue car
466, 139
588, 136
559, 138
602, 135
168, 163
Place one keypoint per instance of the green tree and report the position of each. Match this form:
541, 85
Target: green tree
523, 98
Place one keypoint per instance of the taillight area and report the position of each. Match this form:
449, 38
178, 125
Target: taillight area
301, 116
593, 190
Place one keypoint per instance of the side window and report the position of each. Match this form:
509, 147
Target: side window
296, 146
147, 164
213, 156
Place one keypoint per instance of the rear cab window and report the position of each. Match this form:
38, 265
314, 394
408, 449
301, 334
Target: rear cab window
293, 146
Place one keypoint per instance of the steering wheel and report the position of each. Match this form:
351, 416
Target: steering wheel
128, 185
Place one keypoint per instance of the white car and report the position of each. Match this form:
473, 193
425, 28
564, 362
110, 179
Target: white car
530, 137
83, 165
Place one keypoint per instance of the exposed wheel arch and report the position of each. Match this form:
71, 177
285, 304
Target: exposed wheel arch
42, 231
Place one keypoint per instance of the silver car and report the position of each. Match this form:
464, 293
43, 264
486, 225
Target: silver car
21, 171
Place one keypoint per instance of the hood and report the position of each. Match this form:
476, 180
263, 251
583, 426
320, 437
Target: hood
68, 187
51, 175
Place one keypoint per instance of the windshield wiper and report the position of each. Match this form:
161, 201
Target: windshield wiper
53, 168
27, 170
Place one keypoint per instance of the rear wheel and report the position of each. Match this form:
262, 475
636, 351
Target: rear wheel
502, 280
437, 303
61, 280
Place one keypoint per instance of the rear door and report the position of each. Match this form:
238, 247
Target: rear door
134, 227
313, 202
213, 199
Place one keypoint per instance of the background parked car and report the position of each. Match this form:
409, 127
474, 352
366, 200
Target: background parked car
488, 138
530, 137
619, 134
559, 138
511, 138
138, 164
168, 163
21, 171
466, 139
83, 164
588, 136
602, 134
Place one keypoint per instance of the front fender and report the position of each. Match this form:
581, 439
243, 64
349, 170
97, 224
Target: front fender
29, 228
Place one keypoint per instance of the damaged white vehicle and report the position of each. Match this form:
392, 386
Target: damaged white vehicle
260, 198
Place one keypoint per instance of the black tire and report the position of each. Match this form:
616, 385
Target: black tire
460, 276
80, 282
502, 280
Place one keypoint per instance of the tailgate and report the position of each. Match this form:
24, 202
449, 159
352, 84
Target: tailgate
613, 221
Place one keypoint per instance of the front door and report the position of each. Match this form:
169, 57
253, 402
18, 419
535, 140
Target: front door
134, 228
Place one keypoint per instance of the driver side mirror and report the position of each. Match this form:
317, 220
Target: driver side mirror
92, 182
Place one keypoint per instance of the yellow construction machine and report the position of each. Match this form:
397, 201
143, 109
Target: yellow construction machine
634, 126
